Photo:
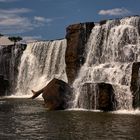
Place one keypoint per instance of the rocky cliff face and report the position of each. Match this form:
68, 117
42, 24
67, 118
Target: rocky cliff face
113, 56
4, 85
135, 84
77, 36
9, 61
97, 96
102, 63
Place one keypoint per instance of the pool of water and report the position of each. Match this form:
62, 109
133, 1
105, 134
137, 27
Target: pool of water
25, 119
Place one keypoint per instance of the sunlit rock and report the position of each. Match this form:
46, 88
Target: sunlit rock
77, 36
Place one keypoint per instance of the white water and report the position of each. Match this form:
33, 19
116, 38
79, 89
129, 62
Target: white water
111, 50
9, 58
41, 62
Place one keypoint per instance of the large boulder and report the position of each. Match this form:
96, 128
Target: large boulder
56, 95
97, 96
77, 36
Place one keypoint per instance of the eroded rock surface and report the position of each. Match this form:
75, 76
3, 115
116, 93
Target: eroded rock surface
56, 95
98, 96
77, 36
135, 84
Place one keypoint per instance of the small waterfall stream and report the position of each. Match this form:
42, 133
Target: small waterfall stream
111, 50
9, 61
40, 62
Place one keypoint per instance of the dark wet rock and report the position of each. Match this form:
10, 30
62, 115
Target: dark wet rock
99, 96
56, 95
135, 84
4, 85
77, 36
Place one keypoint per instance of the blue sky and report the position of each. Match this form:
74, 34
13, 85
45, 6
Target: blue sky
48, 19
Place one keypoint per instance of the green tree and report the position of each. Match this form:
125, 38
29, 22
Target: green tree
15, 39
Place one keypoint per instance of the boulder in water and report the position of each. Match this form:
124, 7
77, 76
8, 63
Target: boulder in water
56, 94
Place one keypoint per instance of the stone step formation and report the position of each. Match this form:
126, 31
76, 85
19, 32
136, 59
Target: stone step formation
100, 61
112, 55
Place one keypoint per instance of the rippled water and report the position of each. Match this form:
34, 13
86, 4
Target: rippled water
25, 119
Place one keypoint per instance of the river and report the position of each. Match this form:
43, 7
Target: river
26, 119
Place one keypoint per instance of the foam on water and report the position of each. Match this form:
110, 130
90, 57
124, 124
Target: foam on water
21, 96
132, 112
82, 109
120, 112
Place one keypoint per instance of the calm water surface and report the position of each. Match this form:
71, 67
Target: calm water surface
25, 119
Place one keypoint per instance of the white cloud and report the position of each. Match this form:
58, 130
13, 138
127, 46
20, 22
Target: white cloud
8, 0
39, 19
15, 25
32, 37
29, 39
48, 21
11, 21
14, 11
114, 12
14, 21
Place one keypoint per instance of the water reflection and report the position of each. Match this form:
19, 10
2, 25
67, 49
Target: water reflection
27, 119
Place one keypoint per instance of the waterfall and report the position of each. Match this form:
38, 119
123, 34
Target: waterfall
9, 61
41, 62
110, 52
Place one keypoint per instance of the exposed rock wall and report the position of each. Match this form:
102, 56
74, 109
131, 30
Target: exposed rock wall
9, 61
135, 84
113, 56
98, 96
77, 36
4, 85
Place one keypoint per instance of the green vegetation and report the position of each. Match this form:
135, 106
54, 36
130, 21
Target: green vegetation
15, 38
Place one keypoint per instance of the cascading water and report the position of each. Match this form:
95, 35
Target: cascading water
111, 50
9, 61
40, 62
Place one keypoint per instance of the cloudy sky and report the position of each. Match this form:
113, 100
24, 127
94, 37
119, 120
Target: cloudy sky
47, 19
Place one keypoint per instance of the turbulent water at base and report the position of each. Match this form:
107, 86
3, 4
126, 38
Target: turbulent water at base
111, 50
40, 62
